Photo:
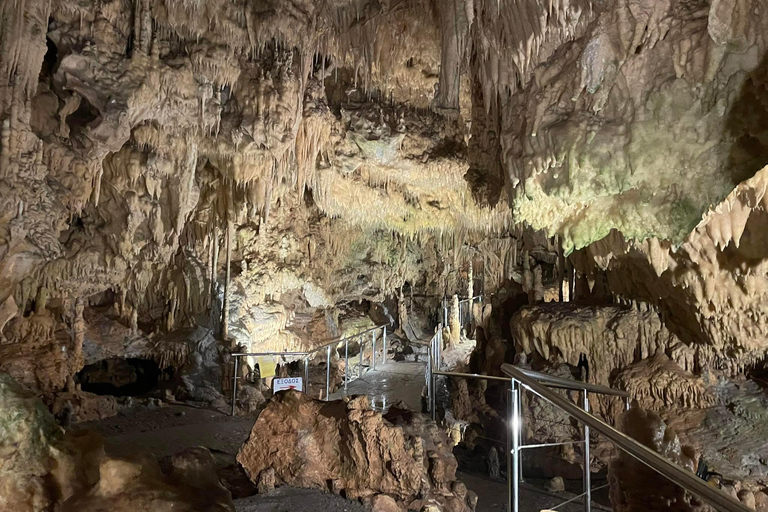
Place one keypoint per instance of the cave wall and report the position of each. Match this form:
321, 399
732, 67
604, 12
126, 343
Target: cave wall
245, 166
634, 115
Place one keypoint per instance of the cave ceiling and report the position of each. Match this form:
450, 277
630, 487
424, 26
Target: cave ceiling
345, 148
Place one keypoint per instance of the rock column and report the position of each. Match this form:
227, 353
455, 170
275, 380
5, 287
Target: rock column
454, 321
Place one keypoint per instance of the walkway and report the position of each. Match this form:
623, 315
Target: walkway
404, 382
389, 383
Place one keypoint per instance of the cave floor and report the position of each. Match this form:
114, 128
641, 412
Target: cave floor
164, 431
388, 384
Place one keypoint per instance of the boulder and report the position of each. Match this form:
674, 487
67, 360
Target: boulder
44, 468
347, 448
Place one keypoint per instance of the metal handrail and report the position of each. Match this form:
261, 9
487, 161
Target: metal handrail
313, 350
327, 348
561, 383
514, 417
650, 458
446, 307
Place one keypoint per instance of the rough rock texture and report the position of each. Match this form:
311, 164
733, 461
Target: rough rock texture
180, 179
166, 165
711, 290
347, 448
42, 468
658, 382
608, 338
190, 485
634, 486
249, 166
636, 114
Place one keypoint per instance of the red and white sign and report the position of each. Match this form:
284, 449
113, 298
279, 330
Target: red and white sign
296, 383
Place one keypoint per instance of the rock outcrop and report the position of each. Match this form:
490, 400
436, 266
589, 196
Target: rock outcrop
346, 448
44, 468
634, 486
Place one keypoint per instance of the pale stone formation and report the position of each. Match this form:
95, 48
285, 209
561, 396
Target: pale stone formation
346, 447
248, 168
710, 291
454, 321
609, 337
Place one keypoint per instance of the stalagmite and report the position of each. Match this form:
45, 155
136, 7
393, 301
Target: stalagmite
227, 284
470, 282
454, 321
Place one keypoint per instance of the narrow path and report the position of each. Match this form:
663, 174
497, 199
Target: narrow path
389, 383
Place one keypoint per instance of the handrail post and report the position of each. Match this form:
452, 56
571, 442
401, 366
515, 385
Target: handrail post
433, 377
680, 476
360, 360
440, 350
519, 412
346, 363
306, 374
234, 387
384, 340
626, 403
513, 455
327, 372
373, 351
445, 310
587, 460
429, 376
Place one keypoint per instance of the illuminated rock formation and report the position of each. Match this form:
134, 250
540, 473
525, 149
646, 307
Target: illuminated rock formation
183, 179
347, 448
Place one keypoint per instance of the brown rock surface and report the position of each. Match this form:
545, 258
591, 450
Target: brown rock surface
346, 447
44, 468
634, 486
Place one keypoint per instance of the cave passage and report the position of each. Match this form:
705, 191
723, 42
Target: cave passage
122, 377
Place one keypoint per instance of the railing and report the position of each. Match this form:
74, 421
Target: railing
327, 347
465, 310
540, 384
514, 418
533, 382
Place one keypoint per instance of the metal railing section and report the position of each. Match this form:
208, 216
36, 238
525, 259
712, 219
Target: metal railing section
529, 380
541, 384
328, 347
465, 309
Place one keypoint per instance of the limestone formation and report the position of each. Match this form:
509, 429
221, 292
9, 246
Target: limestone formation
180, 180
636, 487
44, 468
709, 291
347, 448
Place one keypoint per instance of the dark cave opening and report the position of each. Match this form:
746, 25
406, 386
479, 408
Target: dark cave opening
583, 368
50, 60
122, 377
86, 115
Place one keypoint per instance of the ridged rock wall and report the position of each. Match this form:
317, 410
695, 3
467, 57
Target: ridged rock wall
634, 115
711, 290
